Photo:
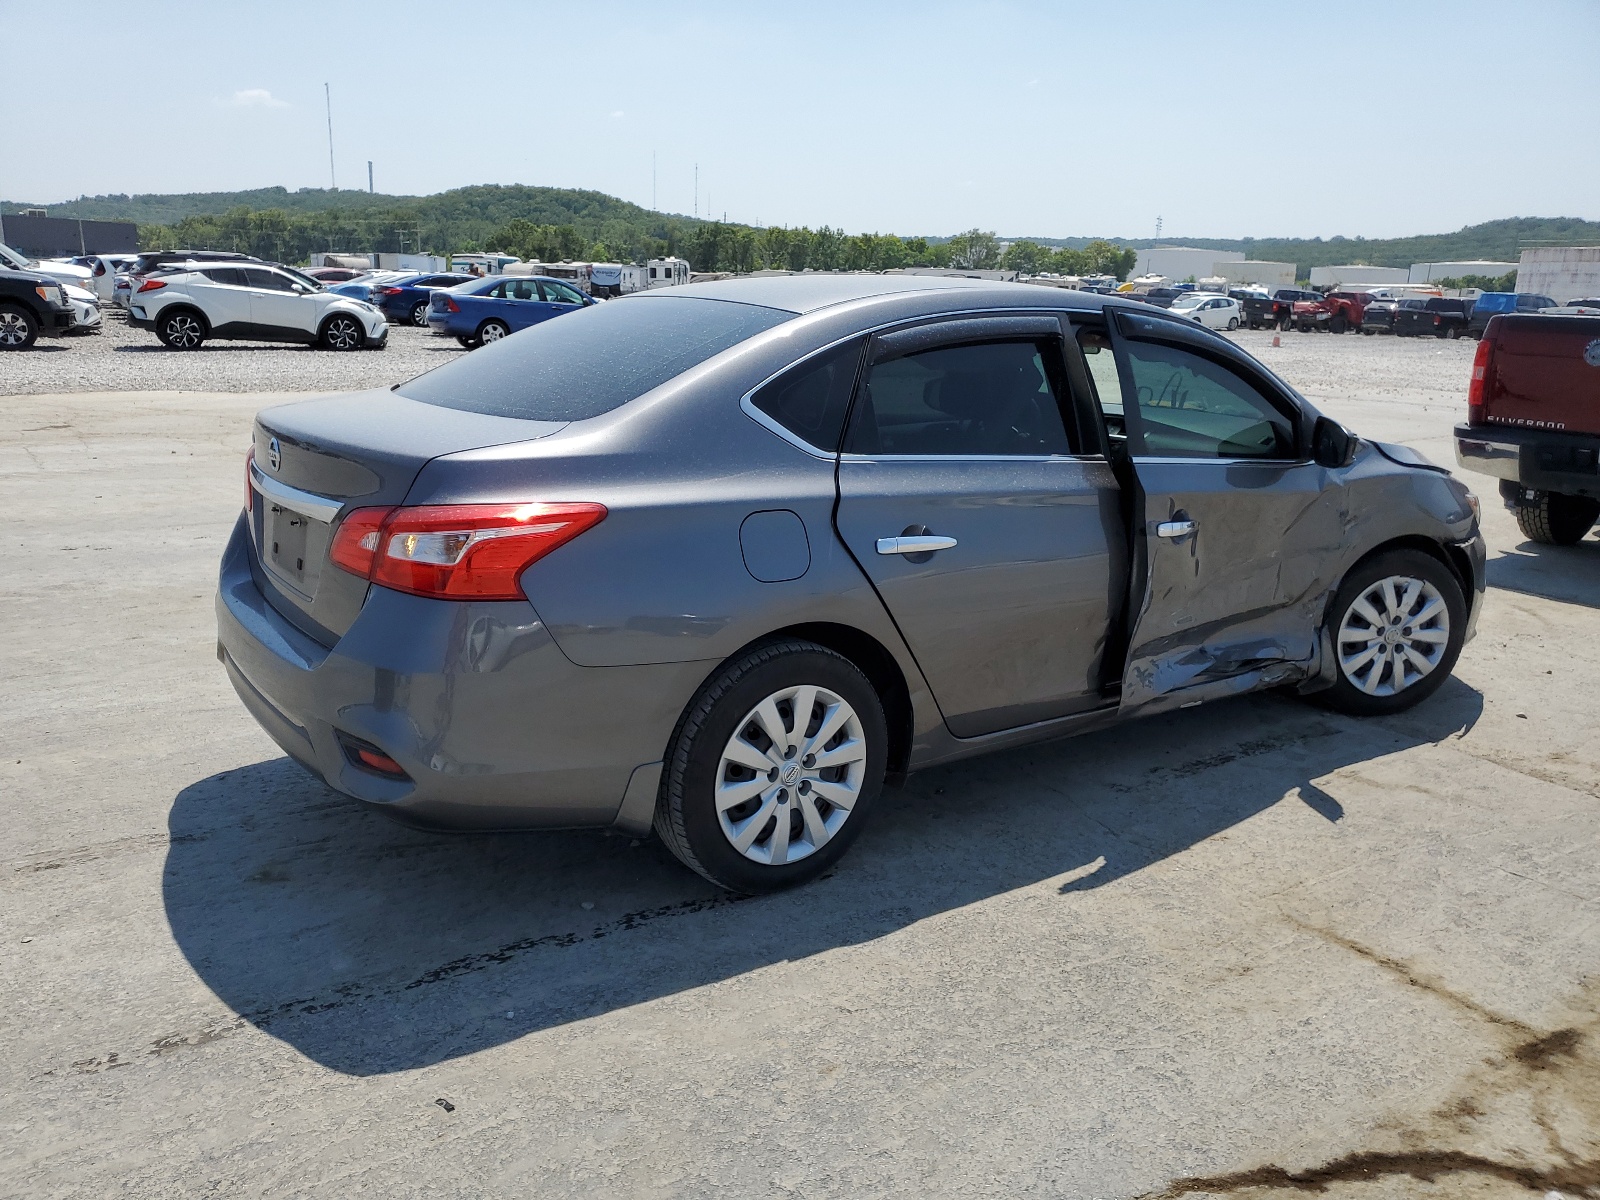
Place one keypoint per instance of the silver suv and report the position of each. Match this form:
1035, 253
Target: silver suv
261, 302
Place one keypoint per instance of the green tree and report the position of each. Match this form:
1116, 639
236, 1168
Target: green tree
974, 250
1028, 257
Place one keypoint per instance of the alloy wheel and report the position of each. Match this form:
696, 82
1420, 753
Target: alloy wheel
183, 331
13, 329
790, 775
492, 332
1393, 635
342, 334
419, 314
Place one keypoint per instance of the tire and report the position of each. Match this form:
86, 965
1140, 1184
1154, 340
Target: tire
1455, 332
1367, 332
466, 343
1338, 324
181, 329
18, 329
341, 332
1385, 661
782, 816
1441, 333
1304, 327
1233, 323
1552, 519
419, 313
492, 331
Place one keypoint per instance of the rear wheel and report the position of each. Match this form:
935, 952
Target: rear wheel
419, 313
181, 329
492, 331
18, 329
773, 768
1455, 332
1338, 325
1233, 323
466, 343
342, 332
1555, 520
1441, 332
1399, 622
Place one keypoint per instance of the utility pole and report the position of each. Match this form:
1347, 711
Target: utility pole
653, 207
327, 95
369, 177
1158, 229
697, 189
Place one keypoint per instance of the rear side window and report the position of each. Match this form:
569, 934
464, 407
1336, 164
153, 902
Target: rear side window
232, 276
592, 361
811, 400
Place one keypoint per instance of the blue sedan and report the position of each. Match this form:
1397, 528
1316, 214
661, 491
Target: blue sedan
405, 300
489, 309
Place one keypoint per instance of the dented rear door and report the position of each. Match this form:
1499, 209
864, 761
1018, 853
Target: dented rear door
1239, 526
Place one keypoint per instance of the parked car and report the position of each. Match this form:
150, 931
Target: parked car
1275, 310
405, 298
1439, 316
1210, 310
1378, 316
1583, 307
32, 305
60, 271
103, 269
1533, 421
665, 563
252, 301
362, 286
85, 309
1336, 312
1162, 297
1491, 304
151, 261
335, 274
497, 306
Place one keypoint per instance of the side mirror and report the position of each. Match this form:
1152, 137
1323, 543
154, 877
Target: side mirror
1332, 445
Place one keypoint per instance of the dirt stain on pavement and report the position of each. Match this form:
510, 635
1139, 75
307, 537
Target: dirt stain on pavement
1527, 1122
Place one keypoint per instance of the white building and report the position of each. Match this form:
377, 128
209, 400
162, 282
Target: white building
1182, 262
1352, 274
1265, 274
1428, 272
1562, 272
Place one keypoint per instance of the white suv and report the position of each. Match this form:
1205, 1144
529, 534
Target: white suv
257, 302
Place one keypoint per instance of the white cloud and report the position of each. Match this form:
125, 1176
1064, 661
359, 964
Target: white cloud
618, 113
257, 98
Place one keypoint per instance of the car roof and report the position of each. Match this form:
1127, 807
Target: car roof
801, 294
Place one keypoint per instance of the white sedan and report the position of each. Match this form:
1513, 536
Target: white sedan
1208, 308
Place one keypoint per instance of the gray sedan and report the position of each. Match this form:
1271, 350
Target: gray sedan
721, 560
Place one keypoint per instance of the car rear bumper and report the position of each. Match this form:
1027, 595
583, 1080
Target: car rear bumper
493, 725
1545, 460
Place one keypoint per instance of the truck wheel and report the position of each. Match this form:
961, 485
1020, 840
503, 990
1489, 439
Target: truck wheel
1338, 325
18, 329
1553, 519
1398, 623
773, 768
1454, 333
1441, 333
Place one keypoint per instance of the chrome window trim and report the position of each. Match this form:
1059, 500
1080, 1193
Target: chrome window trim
760, 418
1271, 462
944, 458
309, 503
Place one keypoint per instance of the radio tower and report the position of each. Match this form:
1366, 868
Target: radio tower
1158, 229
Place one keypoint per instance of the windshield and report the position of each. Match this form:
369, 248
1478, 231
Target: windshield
589, 362
314, 284
1189, 300
11, 258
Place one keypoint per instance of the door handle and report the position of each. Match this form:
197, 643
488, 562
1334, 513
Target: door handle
922, 544
1176, 529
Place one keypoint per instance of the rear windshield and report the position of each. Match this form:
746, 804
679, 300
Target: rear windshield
585, 363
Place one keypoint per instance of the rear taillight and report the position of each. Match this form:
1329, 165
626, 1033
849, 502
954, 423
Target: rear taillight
1478, 389
150, 285
456, 551
450, 305
249, 484
386, 291
99, 268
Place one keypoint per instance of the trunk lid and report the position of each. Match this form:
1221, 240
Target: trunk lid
317, 460
1545, 373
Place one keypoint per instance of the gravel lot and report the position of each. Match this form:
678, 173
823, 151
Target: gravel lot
1250, 949
125, 359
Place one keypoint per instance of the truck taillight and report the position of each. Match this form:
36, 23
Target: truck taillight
456, 551
1478, 389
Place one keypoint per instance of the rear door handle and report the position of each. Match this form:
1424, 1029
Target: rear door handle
1176, 529
924, 544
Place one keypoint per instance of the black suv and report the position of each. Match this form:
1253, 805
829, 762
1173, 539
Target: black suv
31, 305
1438, 315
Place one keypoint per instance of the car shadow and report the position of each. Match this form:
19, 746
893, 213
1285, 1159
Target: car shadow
371, 948
1570, 574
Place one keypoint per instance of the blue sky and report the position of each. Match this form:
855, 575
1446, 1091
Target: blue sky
1057, 119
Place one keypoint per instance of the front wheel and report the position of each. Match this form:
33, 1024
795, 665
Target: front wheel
18, 329
419, 313
773, 768
1552, 519
342, 333
1400, 618
492, 331
181, 330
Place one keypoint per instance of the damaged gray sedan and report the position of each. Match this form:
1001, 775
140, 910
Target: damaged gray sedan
720, 560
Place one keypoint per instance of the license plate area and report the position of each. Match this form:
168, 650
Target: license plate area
292, 549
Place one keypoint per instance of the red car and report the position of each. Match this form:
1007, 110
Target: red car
1336, 312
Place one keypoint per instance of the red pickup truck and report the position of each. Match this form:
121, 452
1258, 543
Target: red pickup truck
1533, 421
1336, 312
